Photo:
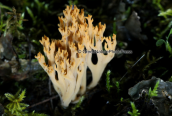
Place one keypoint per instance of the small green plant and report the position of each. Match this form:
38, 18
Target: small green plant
154, 92
121, 99
73, 2
77, 105
158, 4
40, 6
4, 6
13, 23
117, 85
170, 79
167, 44
108, 86
135, 111
15, 107
166, 13
114, 27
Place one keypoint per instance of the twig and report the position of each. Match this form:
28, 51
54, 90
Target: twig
0, 14
49, 86
42, 102
0, 19
132, 66
29, 46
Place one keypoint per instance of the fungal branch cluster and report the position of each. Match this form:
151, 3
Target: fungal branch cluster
66, 66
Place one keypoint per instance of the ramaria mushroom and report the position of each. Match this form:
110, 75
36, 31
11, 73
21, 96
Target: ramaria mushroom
66, 66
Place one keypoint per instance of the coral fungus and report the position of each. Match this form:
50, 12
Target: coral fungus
67, 61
